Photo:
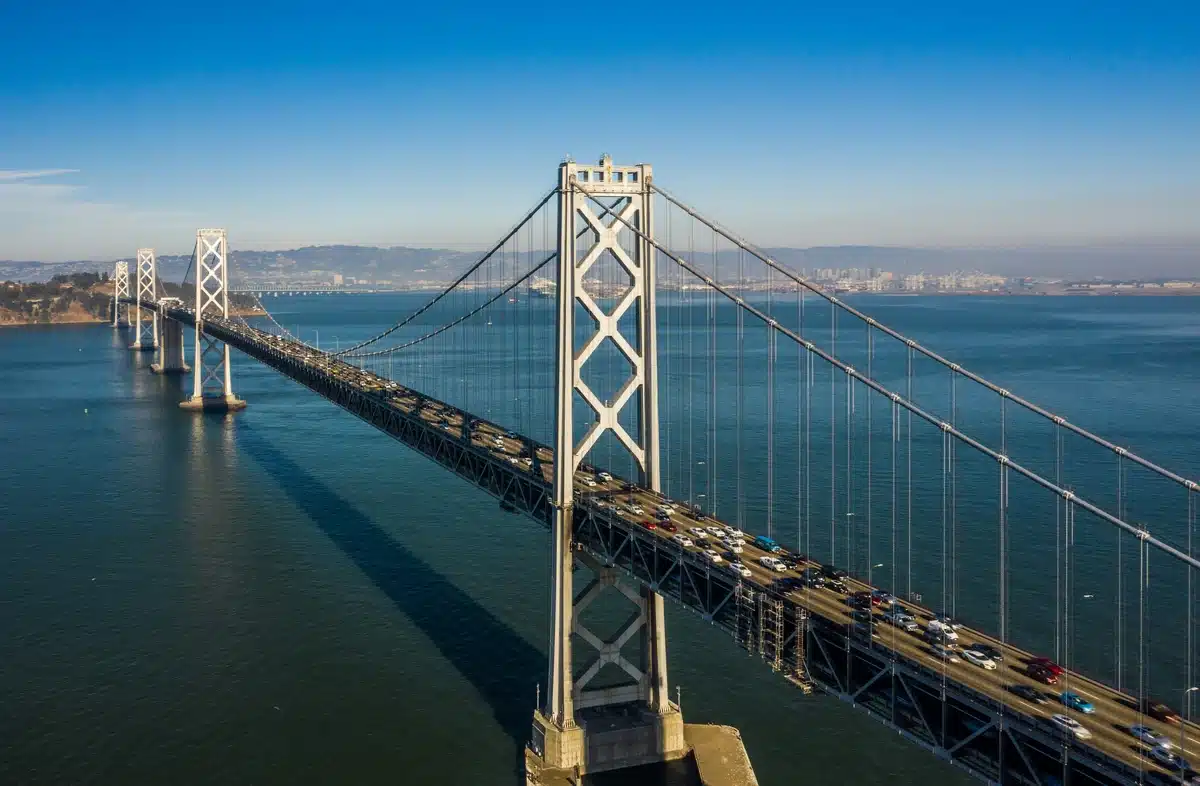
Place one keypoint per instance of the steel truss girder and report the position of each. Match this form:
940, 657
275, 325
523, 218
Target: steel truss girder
689, 580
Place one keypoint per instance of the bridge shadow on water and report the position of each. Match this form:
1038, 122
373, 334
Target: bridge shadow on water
439, 608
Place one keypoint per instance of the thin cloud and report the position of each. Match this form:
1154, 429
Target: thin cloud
33, 174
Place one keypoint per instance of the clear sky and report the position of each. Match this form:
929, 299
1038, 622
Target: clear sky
929, 123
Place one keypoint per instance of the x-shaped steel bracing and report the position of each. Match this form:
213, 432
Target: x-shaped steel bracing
608, 328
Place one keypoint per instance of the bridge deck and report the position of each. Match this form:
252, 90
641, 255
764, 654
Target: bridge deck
521, 473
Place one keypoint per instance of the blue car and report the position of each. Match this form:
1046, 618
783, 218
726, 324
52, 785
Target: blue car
1077, 702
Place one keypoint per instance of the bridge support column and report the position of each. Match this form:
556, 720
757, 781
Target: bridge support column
212, 382
146, 336
171, 356
582, 729
120, 291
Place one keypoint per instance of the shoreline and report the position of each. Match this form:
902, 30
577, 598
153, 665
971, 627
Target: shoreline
102, 321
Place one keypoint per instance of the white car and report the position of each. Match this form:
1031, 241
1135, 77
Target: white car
1071, 726
733, 545
739, 569
682, 540
979, 659
528, 461
636, 510
699, 533
604, 476
944, 653
498, 442
665, 508
901, 620
1150, 736
772, 563
716, 532
733, 533
513, 460
713, 556
589, 483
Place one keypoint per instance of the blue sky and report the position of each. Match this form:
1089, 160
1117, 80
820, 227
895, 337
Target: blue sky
996, 124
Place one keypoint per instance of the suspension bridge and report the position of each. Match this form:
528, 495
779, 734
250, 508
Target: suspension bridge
695, 422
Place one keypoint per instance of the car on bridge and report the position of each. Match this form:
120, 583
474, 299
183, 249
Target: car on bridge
1168, 759
1076, 702
1048, 665
733, 545
901, 620
979, 659
768, 545
1041, 674
1160, 711
699, 533
682, 540
1071, 726
772, 563
738, 568
1150, 736
990, 651
831, 572
1029, 693
943, 652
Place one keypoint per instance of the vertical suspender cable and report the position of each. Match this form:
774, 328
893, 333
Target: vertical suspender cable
833, 440
1118, 620
849, 472
1058, 546
711, 294
665, 351
954, 496
870, 484
741, 389
770, 432
691, 473
800, 544
908, 473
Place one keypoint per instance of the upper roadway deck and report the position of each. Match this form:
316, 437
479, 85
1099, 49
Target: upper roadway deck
1115, 711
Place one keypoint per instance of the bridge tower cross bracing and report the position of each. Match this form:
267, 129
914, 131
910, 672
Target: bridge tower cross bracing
212, 381
560, 725
120, 291
146, 334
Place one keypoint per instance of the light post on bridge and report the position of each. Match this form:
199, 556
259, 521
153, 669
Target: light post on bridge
1187, 697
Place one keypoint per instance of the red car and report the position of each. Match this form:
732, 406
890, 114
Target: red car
1041, 674
668, 526
1160, 711
650, 524
1049, 665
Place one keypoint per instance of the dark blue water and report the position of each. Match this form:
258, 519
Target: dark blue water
288, 596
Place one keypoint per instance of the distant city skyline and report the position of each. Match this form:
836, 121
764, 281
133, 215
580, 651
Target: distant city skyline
1039, 124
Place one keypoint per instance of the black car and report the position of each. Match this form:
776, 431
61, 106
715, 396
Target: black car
837, 586
662, 515
988, 650
813, 578
1027, 692
862, 615
830, 572
788, 584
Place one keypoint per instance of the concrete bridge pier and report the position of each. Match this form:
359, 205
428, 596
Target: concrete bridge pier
171, 355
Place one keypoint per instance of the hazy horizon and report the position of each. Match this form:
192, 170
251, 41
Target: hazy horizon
800, 126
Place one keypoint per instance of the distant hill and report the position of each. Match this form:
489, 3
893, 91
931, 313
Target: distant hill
406, 266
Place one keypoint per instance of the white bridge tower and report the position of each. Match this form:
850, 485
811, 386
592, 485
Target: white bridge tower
561, 726
146, 336
120, 291
212, 387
